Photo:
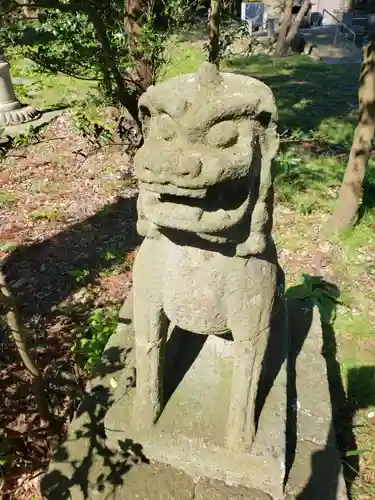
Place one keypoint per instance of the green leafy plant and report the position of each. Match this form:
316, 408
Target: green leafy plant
6, 200
94, 336
94, 130
108, 256
103, 41
354, 453
323, 294
228, 33
6, 455
79, 274
30, 135
8, 246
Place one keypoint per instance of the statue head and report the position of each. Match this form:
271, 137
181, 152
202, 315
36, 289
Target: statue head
209, 139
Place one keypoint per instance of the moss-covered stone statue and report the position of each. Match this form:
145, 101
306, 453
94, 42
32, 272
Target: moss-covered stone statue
196, 375
207, 263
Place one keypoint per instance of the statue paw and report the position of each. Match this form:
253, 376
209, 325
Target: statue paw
254, 245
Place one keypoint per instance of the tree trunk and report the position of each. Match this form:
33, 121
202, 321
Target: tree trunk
142, 74
214, 44
127, 98
287, 21
19, 335
293, 30
350, 194
289, 29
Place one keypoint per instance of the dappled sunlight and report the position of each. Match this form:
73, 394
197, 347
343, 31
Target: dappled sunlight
70, 240
298, 79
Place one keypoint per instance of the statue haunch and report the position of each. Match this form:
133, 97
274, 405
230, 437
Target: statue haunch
207, 263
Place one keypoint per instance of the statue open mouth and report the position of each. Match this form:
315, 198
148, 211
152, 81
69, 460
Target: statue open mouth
171, 189
227, 195
204, 169
216, 208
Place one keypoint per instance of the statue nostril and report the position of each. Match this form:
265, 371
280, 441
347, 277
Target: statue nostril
198, 166
191, 167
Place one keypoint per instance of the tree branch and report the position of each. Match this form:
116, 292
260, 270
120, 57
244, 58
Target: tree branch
299, 17
281, 40
49, 67
19, 335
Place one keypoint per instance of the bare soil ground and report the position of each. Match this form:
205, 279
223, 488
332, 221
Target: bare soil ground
61, 216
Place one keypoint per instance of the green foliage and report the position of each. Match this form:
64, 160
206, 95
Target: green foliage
229, 31
8, 247
108, 256
6, 455
21, 92
93, 129
80, 275
12, 28
184, 58
89, 41
309, 94
305, 182
323, 294
49, 215
25, 139
30, 136
353, 453
94, 336
68, 42
6, 200
153, 38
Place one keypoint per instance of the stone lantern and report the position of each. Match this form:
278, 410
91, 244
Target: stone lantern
12, 111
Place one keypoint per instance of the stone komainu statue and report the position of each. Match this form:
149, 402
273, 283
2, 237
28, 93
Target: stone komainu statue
208, 263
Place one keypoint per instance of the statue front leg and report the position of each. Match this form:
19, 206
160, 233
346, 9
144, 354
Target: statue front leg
151, 330
249, 318
247, 365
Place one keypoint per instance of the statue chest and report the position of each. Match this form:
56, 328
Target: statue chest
190, 284
194, 289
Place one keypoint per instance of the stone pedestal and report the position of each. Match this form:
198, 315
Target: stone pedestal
12, 112
190, 433
84, 467
315, 462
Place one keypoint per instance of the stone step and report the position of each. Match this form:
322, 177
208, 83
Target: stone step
323, 40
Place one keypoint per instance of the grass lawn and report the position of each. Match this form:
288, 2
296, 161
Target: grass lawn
317, 108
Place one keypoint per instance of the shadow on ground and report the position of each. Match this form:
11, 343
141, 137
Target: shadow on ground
43, 274
306, 92
100, 470
325, 469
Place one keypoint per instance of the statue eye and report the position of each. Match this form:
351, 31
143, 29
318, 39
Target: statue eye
223, 135
145, 117
166, 128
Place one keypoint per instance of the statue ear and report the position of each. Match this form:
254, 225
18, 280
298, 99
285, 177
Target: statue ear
261, 217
